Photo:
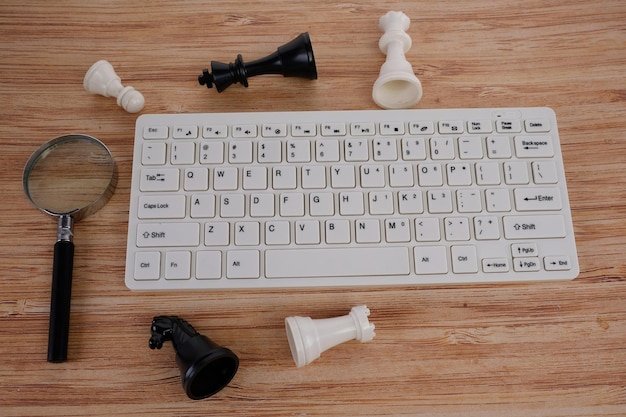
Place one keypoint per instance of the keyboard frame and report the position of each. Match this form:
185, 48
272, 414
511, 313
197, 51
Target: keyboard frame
546, 247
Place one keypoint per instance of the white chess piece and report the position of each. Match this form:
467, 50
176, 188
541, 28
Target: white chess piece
102, 79
308, 338
397, 87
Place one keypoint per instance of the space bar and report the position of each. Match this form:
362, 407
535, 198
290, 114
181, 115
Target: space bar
338, 262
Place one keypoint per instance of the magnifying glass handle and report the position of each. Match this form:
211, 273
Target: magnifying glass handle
60, 301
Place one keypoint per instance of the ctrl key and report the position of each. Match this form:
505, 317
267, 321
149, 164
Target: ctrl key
147, 266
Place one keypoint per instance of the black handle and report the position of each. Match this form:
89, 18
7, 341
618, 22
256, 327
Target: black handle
60, 301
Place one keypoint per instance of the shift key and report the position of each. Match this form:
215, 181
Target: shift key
534, 227
168, 234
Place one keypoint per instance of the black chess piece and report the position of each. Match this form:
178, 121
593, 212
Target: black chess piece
293, 59
205, 367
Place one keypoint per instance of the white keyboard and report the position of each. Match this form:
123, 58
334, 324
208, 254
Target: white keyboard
348, 198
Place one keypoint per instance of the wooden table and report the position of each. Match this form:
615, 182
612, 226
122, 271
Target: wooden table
551, 349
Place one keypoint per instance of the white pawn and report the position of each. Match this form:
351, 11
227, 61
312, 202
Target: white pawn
102, 79
308, 338
397, 87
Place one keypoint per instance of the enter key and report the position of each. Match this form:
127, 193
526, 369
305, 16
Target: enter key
537, 199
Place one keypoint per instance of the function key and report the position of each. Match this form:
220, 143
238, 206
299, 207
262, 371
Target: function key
450, 126
421, 128
185, 132
244, 131
362, 129
333, 129
214, 131
274, 130
392, 128
303, 129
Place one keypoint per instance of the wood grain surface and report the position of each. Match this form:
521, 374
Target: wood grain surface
549, 349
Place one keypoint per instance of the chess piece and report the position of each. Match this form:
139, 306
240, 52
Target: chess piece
294, 59
102, 79
397, 87
205, 367
308, 338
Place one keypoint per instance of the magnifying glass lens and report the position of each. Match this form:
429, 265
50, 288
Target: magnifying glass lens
69, 176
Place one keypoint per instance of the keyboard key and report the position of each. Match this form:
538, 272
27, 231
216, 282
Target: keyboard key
147, 265
269, 151
247, 233
470, 147
298, 151
367, 231
430, 260
534, 227
277, 233
153, 153
232, 205
185, 132
225, 179
505, 126
162, 206
240, 152
385, 150
516, 173
244, 131
215, 131
495, 265
274, 130
362, 129
356, 149
480, 126
526, 264
464, 259
557, 263
337, 231
537, 125
202, 205
427, 229
178, 265
537, 199
397, 230
196, 179
211, 152
498, 147
391, 128
208, 264
446, 127
308, 232
544, 172
533, 146
338, 262
441, 148
242, 264
154, 235
216, 233
327, 150
413, 149
303, 129
159, 179
155, 132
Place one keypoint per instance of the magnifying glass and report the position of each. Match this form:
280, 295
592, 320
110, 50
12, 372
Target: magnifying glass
70, 177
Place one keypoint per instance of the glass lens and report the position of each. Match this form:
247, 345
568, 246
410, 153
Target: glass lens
69, 174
